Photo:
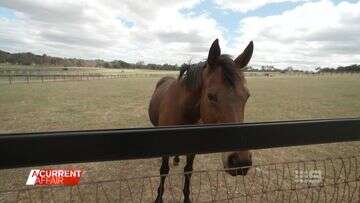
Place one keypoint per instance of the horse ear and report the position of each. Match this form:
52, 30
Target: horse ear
214, 52
243, 59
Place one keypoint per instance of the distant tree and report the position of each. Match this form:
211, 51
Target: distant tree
107, 65
140, 63
289, 69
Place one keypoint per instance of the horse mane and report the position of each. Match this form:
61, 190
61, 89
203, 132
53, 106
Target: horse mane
191, 74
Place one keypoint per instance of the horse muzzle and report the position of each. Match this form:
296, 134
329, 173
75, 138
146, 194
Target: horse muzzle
235, 165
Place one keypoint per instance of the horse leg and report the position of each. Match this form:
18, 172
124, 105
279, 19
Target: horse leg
188, 172
164, 170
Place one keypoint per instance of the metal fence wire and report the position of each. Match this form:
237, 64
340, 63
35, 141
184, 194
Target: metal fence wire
31, 78
325, 180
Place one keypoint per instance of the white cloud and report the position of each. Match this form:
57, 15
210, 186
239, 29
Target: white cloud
158, 31
313, 34
248, 5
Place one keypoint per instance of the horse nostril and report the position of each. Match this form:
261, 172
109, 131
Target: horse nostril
235, 161
212, 97
240, 164
239, 167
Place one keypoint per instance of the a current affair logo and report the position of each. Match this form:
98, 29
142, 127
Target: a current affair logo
54, 177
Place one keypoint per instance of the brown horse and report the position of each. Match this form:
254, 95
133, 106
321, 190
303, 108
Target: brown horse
213, 92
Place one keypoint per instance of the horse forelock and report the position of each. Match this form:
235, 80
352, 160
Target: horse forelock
191, 74
228, 69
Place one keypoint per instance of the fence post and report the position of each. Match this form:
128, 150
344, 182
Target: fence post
10, 82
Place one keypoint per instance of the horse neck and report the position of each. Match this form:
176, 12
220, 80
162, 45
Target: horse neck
191, 97
190, 104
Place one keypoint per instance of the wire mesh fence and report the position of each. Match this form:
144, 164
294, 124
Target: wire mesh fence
325, 180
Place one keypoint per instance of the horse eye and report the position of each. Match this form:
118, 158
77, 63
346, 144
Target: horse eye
212, 97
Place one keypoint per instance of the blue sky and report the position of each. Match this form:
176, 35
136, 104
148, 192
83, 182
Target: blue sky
7, 13
299, 33
230, 19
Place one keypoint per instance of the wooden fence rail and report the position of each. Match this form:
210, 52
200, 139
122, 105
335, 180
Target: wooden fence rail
117, 144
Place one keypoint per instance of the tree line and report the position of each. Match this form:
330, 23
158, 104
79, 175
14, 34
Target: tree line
354, 68
45, 60
341, 69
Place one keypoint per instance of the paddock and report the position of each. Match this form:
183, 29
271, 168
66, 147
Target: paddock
122, 103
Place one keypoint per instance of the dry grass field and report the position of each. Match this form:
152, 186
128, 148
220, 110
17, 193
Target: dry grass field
21, 69
122, 103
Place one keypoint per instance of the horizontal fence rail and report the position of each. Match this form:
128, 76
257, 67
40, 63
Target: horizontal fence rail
45, 148
30, 78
